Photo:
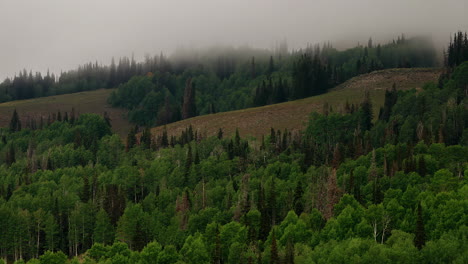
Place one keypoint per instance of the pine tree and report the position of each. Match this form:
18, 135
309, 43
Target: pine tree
131, 139
265, 223
289, 257
274, 258
188, 165
10, 155
72, 117
420, 233
112, 75
164, 138
145, 139
252, 68
189, 108
336, 156
271, 66
366, 112
298, 203
220, 133
272, 201
15, 123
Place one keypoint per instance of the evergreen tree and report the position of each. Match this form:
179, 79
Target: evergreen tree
274, 257
145, 139
420, 233
271, 66
10, 155
189, 108
366, 115
188, 165
265, 223
298, 202
164, 138
15, 123
112, 75
252, 68
289, 257
72, 116
131, 139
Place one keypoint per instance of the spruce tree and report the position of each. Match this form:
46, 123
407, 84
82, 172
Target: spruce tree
265, 223
164, 138
271, 66
274, 258
10, 155
15, 123
366, 112
188, 165
298, 203
131, 139
289, 257
145, 139
220, 133
189, 108
420, 233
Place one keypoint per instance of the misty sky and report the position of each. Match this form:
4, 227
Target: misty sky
60, 34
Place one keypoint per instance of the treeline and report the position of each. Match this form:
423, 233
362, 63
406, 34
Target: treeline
224, 79
348, 187
87, 77
159, 98
457, 51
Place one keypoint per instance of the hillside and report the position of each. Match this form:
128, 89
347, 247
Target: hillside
292, 115
253, 121
83, 102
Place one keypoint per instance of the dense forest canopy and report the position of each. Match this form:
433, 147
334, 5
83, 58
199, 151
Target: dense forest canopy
387, 187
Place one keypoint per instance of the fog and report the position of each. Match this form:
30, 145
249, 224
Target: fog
61, 34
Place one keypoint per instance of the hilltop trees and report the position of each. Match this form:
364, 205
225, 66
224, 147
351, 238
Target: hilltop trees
457, 51
189, 108
310, 76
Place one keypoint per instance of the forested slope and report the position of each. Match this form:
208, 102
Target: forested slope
293, 115
359, 186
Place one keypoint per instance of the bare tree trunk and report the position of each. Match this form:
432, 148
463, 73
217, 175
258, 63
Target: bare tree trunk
385, 223
376, 233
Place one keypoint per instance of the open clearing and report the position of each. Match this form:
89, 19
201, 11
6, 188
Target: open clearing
83, 102
293, 115
250, 122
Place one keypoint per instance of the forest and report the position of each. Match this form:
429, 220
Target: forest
163, 89
354, 186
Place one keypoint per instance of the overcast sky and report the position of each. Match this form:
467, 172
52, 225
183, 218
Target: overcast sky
61, 34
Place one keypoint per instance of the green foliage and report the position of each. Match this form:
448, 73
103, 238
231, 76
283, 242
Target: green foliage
50, 257
339, 192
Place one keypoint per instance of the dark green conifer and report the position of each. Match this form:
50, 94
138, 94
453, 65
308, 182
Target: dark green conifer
420, 233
